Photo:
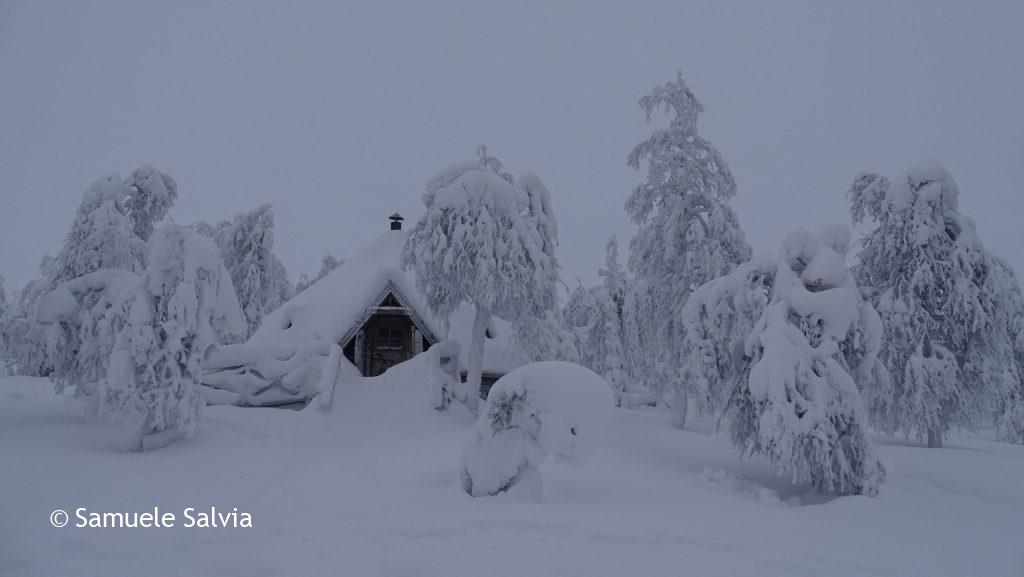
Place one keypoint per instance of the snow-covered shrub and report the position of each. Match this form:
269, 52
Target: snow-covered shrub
538, 409
796, 401
184, 306
485, 241
687, 235
150, 196
933, 279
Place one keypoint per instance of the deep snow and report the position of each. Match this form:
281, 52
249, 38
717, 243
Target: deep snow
371, 488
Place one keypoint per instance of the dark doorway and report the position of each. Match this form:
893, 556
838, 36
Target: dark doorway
388, 342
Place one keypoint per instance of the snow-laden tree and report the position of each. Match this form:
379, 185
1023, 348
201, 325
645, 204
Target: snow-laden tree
546, 338
6, 331
688, 234
717, 319
796, 400
260, 279
933, 278
150, 196
486, 241
603, 350
77, 323
101, 236
184, 306
539, 409
930, 390
327, 264
24, 354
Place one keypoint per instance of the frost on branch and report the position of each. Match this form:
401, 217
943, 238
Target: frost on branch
538, 409
796, 401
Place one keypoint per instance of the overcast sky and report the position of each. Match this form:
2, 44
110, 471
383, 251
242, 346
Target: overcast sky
338, 112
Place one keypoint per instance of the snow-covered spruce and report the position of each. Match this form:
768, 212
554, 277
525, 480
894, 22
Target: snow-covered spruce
594, 329
796, 401
488, 242
247, 247
934, 281
101, 236
687, 236
539, 409
23, 354
77, 323
327, 264
6, 332
717, 319
150, 196
184, 306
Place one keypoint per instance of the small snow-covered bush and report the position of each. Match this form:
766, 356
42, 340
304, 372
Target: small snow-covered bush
538, 409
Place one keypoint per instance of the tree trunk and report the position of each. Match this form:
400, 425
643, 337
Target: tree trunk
935, 438
474, 372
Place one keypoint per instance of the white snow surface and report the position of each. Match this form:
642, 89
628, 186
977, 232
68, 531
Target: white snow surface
331, 306
371, 488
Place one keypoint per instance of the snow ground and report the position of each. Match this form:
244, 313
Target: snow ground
371, 488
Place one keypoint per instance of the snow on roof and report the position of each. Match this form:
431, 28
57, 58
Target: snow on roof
331, 308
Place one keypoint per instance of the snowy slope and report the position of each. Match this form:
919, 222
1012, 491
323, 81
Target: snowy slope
371, 488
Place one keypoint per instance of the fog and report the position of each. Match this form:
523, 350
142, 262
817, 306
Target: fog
337, 113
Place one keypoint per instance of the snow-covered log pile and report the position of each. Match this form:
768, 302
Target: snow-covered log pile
538, 409
266, 374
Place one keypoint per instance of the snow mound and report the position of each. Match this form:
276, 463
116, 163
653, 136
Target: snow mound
539, 409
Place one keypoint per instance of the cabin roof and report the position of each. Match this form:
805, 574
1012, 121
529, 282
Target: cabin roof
338, 305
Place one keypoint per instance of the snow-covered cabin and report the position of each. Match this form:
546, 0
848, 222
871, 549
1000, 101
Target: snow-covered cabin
370, 308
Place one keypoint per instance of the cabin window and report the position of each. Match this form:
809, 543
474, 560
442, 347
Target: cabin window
389, 338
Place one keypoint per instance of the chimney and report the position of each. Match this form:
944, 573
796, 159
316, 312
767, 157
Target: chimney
396, 221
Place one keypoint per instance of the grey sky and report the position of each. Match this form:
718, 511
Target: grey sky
338, 112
